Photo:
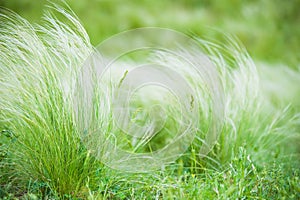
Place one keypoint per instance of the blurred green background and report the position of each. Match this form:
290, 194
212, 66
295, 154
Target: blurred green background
270, 29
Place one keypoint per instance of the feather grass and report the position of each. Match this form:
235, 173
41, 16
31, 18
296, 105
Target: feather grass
39, 66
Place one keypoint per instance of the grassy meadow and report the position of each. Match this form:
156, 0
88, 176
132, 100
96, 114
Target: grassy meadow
254, 46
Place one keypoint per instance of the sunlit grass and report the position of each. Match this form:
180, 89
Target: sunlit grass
42, 154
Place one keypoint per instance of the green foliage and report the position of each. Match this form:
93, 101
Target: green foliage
42, 156
269, 28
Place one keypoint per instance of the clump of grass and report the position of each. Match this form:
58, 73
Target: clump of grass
250, 119
40, 146
44, 146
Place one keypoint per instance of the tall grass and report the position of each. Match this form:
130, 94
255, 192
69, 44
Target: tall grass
45, 146
40, 138
251, 119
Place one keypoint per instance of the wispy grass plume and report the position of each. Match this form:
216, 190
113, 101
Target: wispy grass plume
37, 61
